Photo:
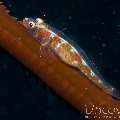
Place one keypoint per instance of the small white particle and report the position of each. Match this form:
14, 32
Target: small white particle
102, 23
104, 45
86, 116
69, 17
99, 81
10, 5
112, 89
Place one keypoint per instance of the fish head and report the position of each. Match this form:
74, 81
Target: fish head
33, 24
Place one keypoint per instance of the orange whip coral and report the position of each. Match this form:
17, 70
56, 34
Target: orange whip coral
68, 82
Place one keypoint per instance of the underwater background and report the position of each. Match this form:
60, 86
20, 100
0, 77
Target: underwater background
93, 24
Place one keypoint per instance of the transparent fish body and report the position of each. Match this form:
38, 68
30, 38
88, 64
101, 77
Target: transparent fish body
65, 50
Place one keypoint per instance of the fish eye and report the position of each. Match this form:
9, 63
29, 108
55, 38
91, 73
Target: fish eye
31, 24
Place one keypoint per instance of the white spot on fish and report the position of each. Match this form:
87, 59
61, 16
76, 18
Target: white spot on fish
86, 73
83, 62
59, 44
40, 56
72, 50
75, 63
92, 73
52, 35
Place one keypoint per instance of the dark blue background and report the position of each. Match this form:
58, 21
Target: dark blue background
93, 24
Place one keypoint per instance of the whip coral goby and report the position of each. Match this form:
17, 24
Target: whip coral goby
48, 38
70, 83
